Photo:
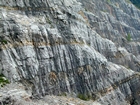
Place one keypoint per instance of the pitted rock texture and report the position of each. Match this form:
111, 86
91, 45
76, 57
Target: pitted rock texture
72, 46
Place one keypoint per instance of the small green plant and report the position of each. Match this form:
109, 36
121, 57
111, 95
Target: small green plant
84, 97
3, 80
4, 41
134, 102
63, 94
104, 10
86, 9
128, 1
128, 37
109, 1
48, 20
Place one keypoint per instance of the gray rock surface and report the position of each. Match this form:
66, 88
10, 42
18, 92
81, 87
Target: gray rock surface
72, 46
15, 94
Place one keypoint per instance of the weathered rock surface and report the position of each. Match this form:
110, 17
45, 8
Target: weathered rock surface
73, 46
15, 94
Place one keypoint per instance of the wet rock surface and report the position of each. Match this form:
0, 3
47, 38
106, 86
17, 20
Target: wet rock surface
82, 47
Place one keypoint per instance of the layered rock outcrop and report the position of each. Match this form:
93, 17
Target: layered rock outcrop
73, 46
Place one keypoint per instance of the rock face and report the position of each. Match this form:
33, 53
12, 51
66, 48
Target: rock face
75, 46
